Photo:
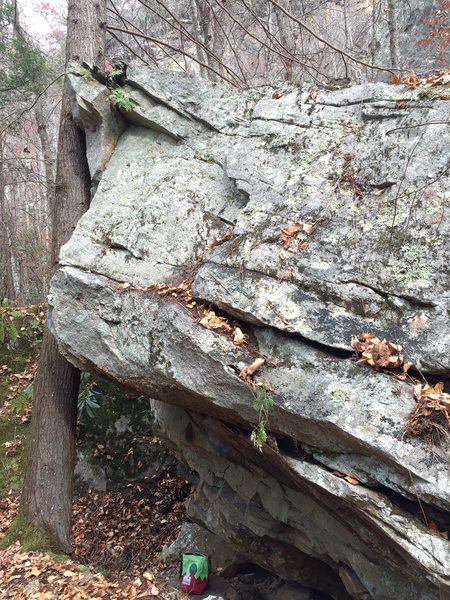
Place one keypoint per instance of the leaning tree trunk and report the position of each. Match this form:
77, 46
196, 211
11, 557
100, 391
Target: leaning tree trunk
47, 493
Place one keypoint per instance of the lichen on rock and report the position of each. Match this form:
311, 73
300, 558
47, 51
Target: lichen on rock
200, 188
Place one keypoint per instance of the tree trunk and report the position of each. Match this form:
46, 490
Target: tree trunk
347, 27
47, 492
393, 35
7, 284
287, 38
204, 30
48, 155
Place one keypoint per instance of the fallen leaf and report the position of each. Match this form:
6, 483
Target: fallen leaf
308, 228
148, 576
377, 353
351, 480
69, 574
247, 372
434, 529
395, 79
291, 229
431, 415
287, 233
212, 321
412, 80
239, 338
35, 571
227, 236
153, 590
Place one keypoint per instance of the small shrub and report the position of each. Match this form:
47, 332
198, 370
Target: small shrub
121, 100
115, 73
20, 401
263, 403
87, 403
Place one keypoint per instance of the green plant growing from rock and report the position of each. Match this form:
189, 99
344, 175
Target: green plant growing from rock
87, 403
121, 100
115, 73
263, 402
86, 74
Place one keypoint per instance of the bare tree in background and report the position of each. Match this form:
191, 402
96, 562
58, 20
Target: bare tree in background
394, 46
8, 289
24, 179
252, 42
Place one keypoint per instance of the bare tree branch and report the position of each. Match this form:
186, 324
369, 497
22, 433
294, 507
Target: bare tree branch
327, 43
179, 50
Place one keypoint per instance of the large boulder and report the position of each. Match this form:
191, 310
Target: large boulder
198, 192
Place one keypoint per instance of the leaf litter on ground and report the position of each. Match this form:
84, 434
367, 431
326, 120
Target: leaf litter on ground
117, 540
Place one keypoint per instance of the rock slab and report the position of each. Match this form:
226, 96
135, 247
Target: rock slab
199, 188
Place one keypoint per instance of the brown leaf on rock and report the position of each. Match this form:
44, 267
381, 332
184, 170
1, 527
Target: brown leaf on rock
288, 234
439, 79
377, 353
239, 338
412, 80
347, 478
395, 79
247, 372
434, 530
308, 228
431, 415
212, 321
351, 480
227, 236
182, 292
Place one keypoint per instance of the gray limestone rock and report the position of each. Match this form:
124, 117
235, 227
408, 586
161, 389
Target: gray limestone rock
91, 111
366, 168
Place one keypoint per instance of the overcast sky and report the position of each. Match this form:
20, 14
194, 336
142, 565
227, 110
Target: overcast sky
42, 18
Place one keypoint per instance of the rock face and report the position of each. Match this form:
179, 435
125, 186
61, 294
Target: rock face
366, 168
